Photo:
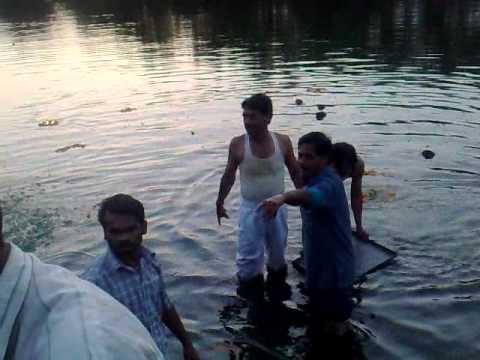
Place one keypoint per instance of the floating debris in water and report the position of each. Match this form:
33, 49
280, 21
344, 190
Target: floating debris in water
298, 102
316, 89
48, 122
74, 146
192, 132
381, 195
27, 222
428, 154
370, 172
127, 109
320, 115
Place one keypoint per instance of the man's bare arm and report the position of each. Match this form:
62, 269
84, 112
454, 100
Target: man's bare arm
297, 197
356, 198
228, 179
292, 163
173, 322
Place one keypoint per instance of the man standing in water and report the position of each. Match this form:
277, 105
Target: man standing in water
261, 156
343, 155
132, 275
47, 312
326, 233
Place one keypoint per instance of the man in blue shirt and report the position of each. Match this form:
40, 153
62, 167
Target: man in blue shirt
326, 232
132, 275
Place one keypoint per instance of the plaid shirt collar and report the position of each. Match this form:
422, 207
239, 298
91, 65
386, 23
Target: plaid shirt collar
113, 264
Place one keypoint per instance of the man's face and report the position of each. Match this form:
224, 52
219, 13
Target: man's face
254, 121
311, 163
123, 233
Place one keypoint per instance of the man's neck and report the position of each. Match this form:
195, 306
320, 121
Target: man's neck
318, 173
260, 137
131, 259
4, 254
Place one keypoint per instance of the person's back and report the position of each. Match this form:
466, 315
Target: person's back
326, 232
49, 313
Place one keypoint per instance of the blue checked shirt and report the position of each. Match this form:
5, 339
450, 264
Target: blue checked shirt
141, 290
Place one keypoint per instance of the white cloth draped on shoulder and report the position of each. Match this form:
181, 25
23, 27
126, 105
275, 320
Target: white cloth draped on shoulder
47, 312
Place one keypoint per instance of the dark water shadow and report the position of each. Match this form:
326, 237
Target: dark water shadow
279, 332
428, 36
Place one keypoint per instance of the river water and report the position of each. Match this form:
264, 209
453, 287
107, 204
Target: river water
143, 99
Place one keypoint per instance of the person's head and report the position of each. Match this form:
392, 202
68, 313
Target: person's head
343, 159
314, 151
257, 113
123, 220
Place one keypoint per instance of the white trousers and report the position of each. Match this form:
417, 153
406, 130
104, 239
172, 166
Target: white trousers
257, 234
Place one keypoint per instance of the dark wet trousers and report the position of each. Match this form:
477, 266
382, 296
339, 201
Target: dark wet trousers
276, 286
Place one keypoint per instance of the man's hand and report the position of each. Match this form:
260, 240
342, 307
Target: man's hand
189, 352
221, 212
271, 205
362, 234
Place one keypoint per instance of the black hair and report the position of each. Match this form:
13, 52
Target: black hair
259, 102
121, 204
321, 142
344, 157
1, 222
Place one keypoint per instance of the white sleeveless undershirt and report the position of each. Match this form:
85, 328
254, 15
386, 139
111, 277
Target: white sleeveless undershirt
261, 178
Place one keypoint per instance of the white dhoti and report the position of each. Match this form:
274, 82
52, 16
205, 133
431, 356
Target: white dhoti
256, 234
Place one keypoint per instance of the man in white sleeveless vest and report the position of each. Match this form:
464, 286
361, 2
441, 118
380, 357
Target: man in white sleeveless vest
261, 156
48, 313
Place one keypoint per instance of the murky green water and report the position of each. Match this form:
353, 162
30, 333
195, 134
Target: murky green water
144, 98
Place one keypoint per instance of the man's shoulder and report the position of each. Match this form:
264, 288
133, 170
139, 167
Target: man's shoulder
328, 181
237, 141
236, 148
283, 138
75, 306
96, 270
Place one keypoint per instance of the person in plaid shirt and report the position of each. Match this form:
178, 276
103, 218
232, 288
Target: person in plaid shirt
131, 273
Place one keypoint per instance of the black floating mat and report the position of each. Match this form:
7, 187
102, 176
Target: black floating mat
369, 257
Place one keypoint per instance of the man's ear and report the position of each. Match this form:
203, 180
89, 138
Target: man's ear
144, 227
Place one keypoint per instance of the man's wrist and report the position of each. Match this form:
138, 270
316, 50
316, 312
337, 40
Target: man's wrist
219, 202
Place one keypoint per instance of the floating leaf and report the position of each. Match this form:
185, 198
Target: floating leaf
48, 122
74, 146
127, 109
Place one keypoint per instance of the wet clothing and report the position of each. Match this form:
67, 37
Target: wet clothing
331, 304
327, 234
256, 234
48, 313
261, 178
141, 289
